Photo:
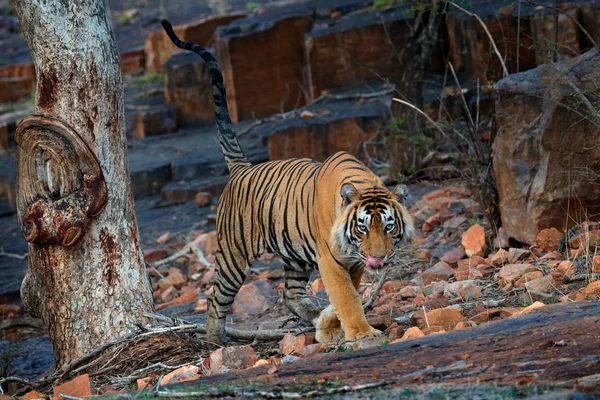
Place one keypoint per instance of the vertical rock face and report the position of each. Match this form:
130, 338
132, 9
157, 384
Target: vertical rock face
470, 49
188, 86
546, 154
158, 47
561, 45
366, 46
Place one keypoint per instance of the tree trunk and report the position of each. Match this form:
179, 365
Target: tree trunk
87, 279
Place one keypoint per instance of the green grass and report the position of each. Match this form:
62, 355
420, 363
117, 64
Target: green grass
149, 78
252, 5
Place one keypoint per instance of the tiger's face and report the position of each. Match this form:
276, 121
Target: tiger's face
373, 225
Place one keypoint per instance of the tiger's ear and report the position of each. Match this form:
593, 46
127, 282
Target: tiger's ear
349, 193
401, 193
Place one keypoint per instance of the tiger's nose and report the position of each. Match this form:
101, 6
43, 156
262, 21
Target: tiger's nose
374, 262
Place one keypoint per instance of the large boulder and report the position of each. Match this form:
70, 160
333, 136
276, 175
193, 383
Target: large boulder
546, 155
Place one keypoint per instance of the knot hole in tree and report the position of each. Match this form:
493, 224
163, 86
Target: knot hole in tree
60, 182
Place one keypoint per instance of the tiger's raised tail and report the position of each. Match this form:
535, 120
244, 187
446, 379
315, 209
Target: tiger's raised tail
234, 155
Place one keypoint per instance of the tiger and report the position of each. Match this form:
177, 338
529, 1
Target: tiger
336, 216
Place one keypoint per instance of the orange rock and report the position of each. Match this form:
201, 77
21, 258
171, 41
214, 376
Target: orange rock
431, 223
207, 242
253, 298
153, 255
473, 240
453, 256
471, 273
33, 395
588, 241
548, 239
262, 362
394, 286
528, 309
516, 255
410, 291
162, 239
500, 258
469, 292
175, 278
312, 349
511, 272
529, 276
183, 374
566, 269
78, 387
291, 344
187, 297
591, 292
501, 240
470, 262
317, 285
144, 383
439, 272
447, 317
432, 330
596, 264
465, 325
201, 306
232, 358
485, 269
412, 333
543, 284
203, 199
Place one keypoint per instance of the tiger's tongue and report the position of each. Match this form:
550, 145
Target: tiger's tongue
374, 262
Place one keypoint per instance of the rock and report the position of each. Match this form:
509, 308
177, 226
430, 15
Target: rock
317, 285
188, 86
158, 47
380, 322
203, 199
201, 306
564, 270
529, 276
394, 286
207, 278
433, 330
431, 223
537, 141
78, 387
357, 48
439, 287
596, 264
439, 272
254, 298
473, 240
501, 241
232, 358
548, 239
290, 359
545, 35
467, 274
133, 61
347, 127
454, 222
153, 120
162, 239
410, 291
515, 255
589, 293
530, 308
511, 272
208, 243
261, 362
485, 269
471, 262
543, 284
312, 349
587, 241
168, 294
183, 374
291, 344
488, 315
13, 89
412, 333
447, 318
453, 256
464, 325
470, 47
423, 214
175, 278
186, 297
153, 255
33, 395
368, 343
500, 258
469, 292
453, 289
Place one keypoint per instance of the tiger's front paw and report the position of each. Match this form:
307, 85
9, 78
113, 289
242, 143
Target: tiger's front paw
328, 335
364, 333
329, 328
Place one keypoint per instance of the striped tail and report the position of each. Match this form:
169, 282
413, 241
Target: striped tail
234, 155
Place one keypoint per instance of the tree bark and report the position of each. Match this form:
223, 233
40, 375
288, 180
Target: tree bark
86, 278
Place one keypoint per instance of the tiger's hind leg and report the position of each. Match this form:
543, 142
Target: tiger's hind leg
229, 277
296, 298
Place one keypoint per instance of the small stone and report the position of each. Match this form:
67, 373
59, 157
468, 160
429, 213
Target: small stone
207, 278
439, 287
78, 387
253, 298
289, 359
469, 292
473, 240
306, 114
291, 344
529, 276
468, 274
439, 272
154, 255
511, 272
262, 362
162, 239
587, 241
548, 239
175, 278
471, 262
144, 383
447, 317
33, 395
501, 241
453, 289
394, 286
596, 264
275, 274
486, 316
516, 255
500, 258
543, 284
532, 307
202, 199
368, 343
232, 358
410, 291
589, 293
201, 306
187, 297
412, 333
380, 322
454, 222
183, 374
433, 330
464, 325
453, 256
431, 223
485, 269
312, 349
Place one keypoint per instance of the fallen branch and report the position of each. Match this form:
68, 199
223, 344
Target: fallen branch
485, 28
371, 301
183, 252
